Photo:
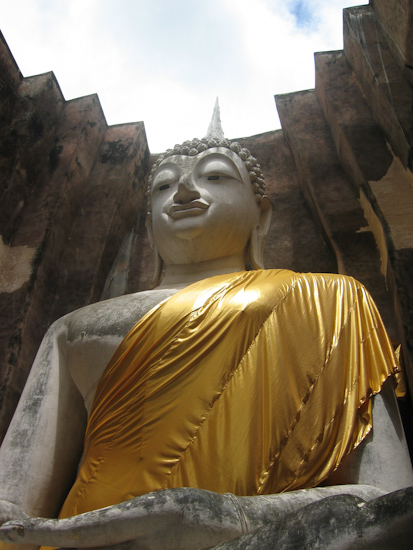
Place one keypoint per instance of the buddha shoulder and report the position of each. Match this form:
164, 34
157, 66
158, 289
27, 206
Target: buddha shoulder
114, 317
88, 337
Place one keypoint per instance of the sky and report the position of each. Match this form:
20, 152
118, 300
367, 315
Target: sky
166, 61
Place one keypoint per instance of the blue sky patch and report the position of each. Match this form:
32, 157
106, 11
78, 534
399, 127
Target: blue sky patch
303, 13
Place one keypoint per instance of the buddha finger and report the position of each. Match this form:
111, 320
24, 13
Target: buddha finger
12, 531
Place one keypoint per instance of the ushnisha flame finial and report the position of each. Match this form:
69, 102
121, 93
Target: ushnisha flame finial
215, 127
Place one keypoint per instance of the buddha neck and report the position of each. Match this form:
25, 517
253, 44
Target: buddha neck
182, 275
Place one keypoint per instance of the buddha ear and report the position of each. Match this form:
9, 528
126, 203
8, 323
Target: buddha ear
255, 253
157, 257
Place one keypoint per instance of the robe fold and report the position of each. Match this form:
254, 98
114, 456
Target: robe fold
251, 383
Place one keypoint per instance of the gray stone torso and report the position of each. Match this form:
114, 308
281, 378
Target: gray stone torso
94, 333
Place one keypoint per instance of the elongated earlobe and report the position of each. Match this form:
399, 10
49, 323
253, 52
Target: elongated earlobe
158, 269
157, 257
255, 252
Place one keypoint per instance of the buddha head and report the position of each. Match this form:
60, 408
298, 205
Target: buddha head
207, 202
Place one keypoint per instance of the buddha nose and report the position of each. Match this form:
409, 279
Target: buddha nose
186, 192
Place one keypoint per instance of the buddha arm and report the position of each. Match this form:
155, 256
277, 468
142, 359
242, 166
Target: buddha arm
41, 450
382, 459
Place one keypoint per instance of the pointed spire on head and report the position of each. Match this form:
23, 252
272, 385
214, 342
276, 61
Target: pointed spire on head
215, 128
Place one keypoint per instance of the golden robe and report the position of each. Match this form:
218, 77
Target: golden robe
251, 383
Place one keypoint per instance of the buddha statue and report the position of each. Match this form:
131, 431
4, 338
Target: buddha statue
214, 405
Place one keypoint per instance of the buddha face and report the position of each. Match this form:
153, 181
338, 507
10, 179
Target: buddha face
203, 207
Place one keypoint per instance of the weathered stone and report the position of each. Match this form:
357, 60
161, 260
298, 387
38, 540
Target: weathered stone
341, 522
294, 240
10, 78
37, 109
384, 85
331, 196
396, 20
360, 144
23, 221
47, 186
115, 182
59, 201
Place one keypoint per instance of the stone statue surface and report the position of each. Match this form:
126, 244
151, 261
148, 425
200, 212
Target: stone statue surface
208, 217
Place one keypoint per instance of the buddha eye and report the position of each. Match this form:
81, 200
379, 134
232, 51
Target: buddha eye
164, 179
217, 169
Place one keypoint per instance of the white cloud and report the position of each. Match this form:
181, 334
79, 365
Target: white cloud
165, 62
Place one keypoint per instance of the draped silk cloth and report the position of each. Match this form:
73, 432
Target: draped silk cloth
250, 383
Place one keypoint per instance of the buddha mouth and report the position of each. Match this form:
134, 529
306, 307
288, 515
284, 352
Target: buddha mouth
192, 208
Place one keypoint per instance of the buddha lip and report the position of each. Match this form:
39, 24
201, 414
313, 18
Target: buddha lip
193, 207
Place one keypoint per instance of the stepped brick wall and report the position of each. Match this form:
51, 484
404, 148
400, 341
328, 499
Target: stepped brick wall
339, 173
